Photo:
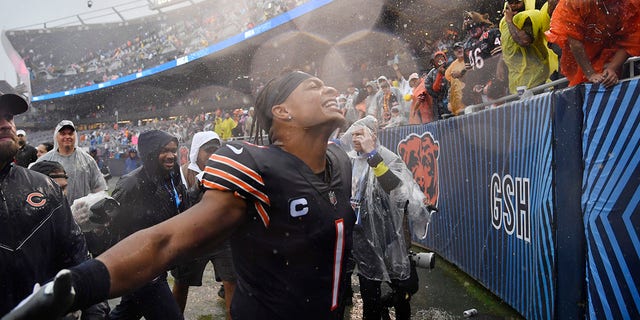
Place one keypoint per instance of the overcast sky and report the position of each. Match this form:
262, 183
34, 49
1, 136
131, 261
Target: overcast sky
21, 13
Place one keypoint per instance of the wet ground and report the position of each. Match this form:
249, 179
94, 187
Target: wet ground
445, 293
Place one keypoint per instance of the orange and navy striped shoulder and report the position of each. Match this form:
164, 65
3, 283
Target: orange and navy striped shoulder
233, 168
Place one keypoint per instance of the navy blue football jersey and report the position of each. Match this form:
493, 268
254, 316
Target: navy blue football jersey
290, 252
483, 55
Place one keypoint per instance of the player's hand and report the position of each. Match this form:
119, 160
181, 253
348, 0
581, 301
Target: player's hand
51, 301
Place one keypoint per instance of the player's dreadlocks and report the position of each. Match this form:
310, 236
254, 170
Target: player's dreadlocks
274, 92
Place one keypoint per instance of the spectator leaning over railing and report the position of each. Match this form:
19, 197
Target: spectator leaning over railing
421, 110
524, 46
437, 85
483, 60
454, 74
596, 37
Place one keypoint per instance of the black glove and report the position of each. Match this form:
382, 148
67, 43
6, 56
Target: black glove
51, 301
103, 210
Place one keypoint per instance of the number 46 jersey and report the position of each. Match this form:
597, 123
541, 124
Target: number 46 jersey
482, 54
290, 252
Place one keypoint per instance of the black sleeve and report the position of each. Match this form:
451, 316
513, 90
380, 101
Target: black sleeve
388, 180
71, 245
98, 311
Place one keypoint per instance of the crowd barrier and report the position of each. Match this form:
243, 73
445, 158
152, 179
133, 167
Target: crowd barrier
538, 199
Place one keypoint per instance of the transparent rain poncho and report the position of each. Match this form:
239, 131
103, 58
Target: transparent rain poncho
380, 247
84, 175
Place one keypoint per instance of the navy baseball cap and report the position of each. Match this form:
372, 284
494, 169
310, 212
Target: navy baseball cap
12, 101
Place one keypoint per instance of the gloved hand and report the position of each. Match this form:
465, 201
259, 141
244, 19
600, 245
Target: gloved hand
51, 301
91, 211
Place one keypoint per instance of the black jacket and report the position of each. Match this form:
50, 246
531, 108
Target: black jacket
26, 155
38, 235
147, 195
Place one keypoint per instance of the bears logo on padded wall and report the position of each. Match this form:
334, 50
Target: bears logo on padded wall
421, 153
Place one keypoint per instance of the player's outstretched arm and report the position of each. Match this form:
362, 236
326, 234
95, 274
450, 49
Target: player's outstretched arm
140, 257
137, 259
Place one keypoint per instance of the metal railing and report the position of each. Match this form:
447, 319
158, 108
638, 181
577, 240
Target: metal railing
541, 88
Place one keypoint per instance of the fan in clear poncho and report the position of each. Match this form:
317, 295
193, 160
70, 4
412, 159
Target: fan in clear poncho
384, 194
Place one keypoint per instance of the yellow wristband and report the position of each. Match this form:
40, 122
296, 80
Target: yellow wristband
380, 169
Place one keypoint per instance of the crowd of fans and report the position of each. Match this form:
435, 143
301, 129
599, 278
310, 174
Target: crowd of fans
91, 54
484, 63
490, 61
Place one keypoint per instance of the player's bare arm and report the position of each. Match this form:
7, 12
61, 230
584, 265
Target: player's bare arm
145, 254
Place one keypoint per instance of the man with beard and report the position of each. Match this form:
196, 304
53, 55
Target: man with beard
37, 235
148, 196
27, 153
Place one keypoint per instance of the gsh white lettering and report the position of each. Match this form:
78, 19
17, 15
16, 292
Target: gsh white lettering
511, 208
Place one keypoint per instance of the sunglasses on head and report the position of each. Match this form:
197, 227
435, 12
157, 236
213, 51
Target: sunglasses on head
513, 1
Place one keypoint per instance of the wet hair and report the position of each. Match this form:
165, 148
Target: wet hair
47, 167
48, 146
274, 92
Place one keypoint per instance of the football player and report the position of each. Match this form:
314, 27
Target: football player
285, 205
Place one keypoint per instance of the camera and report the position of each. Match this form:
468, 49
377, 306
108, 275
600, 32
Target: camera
89, 3
425, 260
103, 210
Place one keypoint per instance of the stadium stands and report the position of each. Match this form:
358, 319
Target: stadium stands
76, 56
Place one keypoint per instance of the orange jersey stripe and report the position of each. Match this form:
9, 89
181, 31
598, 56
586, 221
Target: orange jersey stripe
263, 214
241, 184
213, 185
238, 166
